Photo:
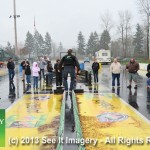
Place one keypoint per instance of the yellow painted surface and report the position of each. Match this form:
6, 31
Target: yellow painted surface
37, 116
106, 117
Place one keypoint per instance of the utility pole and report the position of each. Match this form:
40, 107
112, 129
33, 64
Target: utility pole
148, 38
16, 47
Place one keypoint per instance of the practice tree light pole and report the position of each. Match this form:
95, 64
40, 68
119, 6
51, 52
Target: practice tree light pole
16, 46
148, 36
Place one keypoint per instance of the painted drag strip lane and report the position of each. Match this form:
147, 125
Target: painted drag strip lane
116, 125
32, 118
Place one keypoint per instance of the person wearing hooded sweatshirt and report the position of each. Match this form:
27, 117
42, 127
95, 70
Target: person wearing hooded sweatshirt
35, 73
132, 68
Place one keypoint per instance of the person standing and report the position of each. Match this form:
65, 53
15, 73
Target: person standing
50, 72
69, 62
28, 73
35, 71
115, 69
23, 65
42, 64
132, 67
148, 68
58, 73
95, 68
11, 67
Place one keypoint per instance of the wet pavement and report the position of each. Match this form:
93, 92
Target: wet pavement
138, 99
6, 99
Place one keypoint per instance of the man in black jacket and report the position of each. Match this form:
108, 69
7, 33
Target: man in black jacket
95, 68
58, 73
11, 67
148, 68
28, 72
69, 62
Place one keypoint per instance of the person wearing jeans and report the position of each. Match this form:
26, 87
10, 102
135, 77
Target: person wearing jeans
28, 72
115, 69
11, 74
69, 70
35, 71
35, 82
11, 71
58, 74
69, 62
95, 68
42, 64
114, 77
50, 73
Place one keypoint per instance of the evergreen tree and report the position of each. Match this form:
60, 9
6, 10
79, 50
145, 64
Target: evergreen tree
60, 48
93, 44
48, 44
105, 40
90, 44
39, 44
96, 42
9, 48
29, 43
81, 43
138, 40
36, 43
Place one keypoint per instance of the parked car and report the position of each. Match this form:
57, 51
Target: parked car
86, 59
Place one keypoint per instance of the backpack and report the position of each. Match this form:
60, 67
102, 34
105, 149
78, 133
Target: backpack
95, 66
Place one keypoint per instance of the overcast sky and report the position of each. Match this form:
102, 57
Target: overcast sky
63, 19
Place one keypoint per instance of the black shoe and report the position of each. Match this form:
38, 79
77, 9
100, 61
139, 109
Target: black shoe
70, 91
113, 88
118, 87
135, 87
129, 87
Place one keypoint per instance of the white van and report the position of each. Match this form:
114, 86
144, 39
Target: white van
103, 56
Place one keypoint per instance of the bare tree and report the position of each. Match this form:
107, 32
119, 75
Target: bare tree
128, 18
107, 22
121, 29
144, 9
124, 28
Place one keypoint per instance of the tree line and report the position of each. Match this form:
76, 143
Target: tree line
35, 45
124, 42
